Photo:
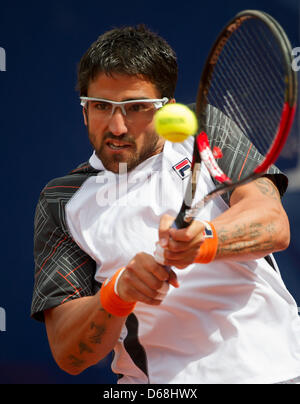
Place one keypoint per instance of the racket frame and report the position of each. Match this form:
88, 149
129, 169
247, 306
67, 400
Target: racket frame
189, 210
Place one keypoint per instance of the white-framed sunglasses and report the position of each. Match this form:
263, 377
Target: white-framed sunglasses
131, 109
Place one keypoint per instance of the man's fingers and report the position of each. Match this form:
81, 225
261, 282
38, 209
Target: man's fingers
187, 234
133, 288
173, 279
164, 227
145, 280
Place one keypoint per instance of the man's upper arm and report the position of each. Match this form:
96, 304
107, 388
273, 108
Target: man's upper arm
261, 189
62, 270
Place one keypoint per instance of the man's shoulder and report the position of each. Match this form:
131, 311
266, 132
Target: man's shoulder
70, 182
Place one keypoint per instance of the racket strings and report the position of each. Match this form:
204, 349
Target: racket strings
258, 100
271, 57
248, 85
256, 65
255, 94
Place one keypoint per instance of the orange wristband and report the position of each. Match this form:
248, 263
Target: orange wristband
208, 250
111, 302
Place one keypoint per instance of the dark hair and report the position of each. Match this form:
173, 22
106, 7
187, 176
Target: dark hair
134, 51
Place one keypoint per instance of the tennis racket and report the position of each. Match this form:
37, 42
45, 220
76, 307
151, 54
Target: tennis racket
247, 97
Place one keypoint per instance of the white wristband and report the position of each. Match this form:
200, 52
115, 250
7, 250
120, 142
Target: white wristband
117, 280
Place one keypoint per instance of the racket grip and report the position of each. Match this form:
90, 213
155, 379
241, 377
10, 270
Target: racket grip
159, 256
179, 222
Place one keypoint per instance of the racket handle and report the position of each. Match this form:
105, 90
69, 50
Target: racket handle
179, 222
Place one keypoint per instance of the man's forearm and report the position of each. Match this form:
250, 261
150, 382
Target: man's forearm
81, 333
245, 239
253, 227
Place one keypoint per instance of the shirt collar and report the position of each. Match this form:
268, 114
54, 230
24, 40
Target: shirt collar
96, 163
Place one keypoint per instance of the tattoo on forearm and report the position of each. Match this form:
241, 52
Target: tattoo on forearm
83, 347
255, 230
75, 362
239, 231
97, 332
223, 235
100, 330
270, 228
246, 239
267, 188
107, 314
236, 248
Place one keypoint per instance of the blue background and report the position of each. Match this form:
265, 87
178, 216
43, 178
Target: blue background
43, 137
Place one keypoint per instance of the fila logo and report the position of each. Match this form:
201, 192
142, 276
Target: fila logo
183, 168
208, 233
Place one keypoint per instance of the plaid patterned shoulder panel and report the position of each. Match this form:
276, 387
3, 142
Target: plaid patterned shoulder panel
62, 270
239, 157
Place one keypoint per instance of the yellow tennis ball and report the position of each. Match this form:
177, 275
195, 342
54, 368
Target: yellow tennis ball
175, 122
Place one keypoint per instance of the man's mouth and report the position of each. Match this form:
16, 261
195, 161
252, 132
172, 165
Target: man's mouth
117, 145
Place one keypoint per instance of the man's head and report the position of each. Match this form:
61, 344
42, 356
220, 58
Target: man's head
125, 64
131, 51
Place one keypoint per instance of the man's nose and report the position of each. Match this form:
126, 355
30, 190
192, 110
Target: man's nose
117, 124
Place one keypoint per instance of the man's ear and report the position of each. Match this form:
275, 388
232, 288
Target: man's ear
85, 117
172, 101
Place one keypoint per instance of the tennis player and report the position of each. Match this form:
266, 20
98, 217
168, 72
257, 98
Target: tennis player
222, 314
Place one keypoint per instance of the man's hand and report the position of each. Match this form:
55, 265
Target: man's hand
144, 280
181, 246
254, 226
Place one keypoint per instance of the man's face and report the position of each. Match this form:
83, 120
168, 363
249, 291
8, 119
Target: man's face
114, 139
